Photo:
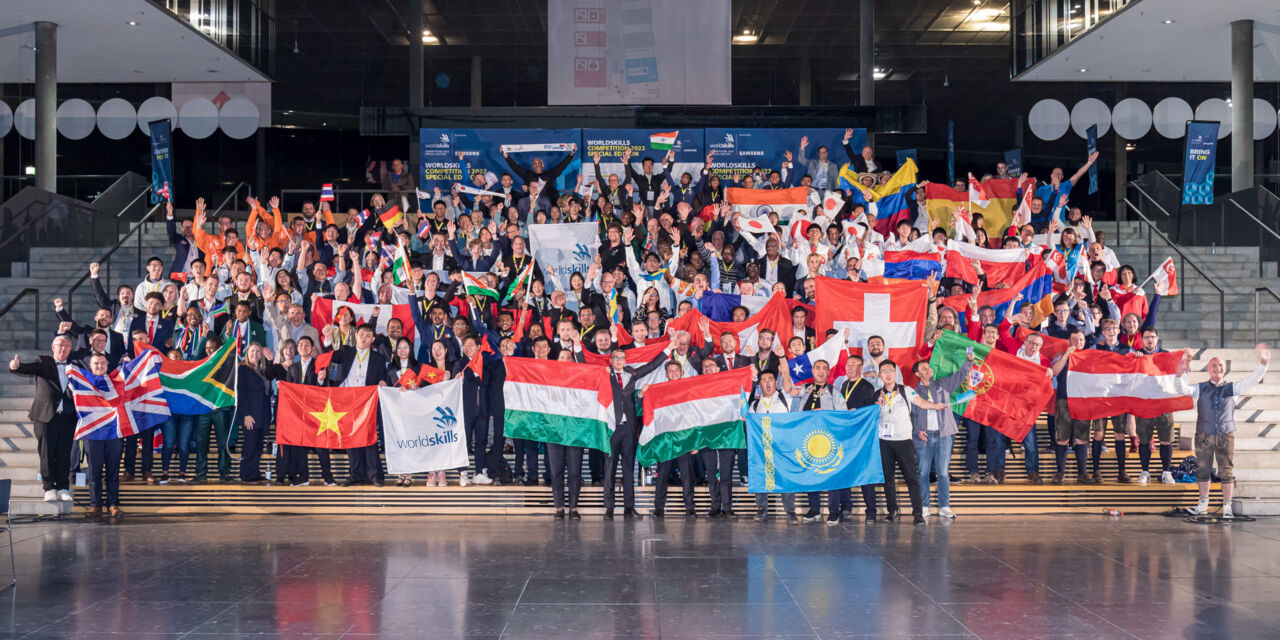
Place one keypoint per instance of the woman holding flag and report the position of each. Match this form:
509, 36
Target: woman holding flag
402, 371
103, 456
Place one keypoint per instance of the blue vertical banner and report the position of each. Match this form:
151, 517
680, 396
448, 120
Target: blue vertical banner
903, 154
739, 151
951, 152
1013, 161
1092, 135
1197, 168
482, 152
161, 160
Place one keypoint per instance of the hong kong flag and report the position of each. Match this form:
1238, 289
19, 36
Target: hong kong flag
894, 312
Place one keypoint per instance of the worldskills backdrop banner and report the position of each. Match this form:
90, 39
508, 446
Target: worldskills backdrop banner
610, 143
739, 150
481, 148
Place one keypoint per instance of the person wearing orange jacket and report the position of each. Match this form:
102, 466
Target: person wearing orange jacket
265, 229
212, 245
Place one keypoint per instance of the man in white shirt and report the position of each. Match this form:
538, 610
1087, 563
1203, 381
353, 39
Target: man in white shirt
896, 448
154, 282
771, 400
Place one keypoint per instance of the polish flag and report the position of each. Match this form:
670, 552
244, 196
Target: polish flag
1101, 384
1167, 275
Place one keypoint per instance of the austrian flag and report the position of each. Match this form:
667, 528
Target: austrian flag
1101, 384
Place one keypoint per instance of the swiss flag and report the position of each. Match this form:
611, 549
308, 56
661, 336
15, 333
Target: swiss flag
1167, 275
895, 312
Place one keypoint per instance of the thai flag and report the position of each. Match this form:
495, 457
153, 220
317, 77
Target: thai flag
326, 192
388, 255
127, 402
424, 228
362, 216
833, 352
912, 265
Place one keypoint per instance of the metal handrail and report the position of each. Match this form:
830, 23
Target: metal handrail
22, 294
1255, 307
136, 229
1261, 225
337, 192
1153, 200
135, 199
229, 198
1186, 260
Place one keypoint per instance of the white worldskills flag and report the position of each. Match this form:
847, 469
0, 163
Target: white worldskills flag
562, 249
422, 427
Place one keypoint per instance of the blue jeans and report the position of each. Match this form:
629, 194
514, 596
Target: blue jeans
179, 432
978, 435
935, 456
1031, 451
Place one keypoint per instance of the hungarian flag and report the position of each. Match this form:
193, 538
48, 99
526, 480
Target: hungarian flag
391, 217
775, 316
1000, 390
999, 265
566, 403
197, 387
1167, 275
663, 141
1101, 384
323, 311
755, 203
1001, 195
895, 312
327, 417
476, 286
702, 412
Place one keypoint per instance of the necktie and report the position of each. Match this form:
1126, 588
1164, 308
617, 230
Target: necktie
151, 330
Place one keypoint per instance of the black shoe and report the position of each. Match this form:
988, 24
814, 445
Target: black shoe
919, 519
597, 483
574, 515
377, 482
891, 516
870, 518
729, 514
812, 516
559, 514
348, 483
846, 514
714, 513
657, 513
630, 513
761, 515
792, 518
608, 513
690, 513
520, 482
833, 519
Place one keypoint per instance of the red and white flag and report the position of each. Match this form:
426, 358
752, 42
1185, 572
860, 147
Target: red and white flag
832, 203
977, 196
1000, 265
894, 312
323, 311
1101, 384
1167, 275
1022, 214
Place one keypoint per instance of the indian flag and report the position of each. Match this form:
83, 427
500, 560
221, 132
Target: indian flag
663, 141
400, 267
564, 403
522, 279
702, 412
477, 286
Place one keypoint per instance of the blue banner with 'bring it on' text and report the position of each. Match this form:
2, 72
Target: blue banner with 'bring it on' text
161, 160
1197, 168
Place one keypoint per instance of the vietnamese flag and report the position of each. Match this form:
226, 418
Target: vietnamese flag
327, 417
431, 375
476, 365
408, 380
1001, 390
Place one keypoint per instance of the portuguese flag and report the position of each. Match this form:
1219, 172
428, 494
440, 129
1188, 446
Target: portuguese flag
703, 412
1003, 391
327, 417
564, 403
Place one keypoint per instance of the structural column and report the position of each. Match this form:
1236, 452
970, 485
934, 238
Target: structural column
1241, 105
867, 53
477, 78
804, 85
415, 80
47, 106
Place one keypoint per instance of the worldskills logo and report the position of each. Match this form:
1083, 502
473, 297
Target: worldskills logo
729, 144
582, 253
980, 378
445, 418
444, 137
819, 452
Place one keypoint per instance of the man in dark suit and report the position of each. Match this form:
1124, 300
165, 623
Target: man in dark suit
183, 249
775, 268
296, 470
53, 413
730, 358
359, 366
244, 329
475, 407
122, 308
622, 444
113, 344
159, 329
97, 344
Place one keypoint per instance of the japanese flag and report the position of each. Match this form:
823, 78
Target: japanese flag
832, 203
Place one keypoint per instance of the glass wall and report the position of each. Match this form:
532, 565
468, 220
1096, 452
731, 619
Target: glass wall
1040, 27
246, 27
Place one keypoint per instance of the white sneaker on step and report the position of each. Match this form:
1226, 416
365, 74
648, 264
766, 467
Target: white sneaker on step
1144, 477
51, 496
1200, 509
64, 495
946, 512
482, 478
1226, 512
1166, 478
924, 511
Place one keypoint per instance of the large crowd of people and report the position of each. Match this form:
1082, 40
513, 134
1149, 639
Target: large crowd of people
665, 241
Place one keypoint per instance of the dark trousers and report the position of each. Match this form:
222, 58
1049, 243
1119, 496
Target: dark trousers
251, 453
526, 459
868, 499
53, 442
719, 464
144, 440
293, 464
363, 464
595, 464
104, 468
219, 420
477, 429
326, 465
622, 446
561, 456
839, 500
902, 454
685, 463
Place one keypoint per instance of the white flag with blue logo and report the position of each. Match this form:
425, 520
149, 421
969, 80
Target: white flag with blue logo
562, 249
422, 428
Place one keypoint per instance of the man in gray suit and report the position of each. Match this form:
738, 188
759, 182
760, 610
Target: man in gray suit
821, 169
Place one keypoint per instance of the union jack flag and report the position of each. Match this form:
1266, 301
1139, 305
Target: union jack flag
132, 401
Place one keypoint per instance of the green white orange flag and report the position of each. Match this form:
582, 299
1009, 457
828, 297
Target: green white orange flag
1001, 391
564, 403
477, 287
663, 141
522, 279
400, 267
702, 412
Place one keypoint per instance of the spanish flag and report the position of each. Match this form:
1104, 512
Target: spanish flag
391, 217
1002, 199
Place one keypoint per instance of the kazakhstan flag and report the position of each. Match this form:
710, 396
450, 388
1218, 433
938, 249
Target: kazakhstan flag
813, 450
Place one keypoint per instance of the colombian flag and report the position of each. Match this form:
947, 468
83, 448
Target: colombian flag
1002, 196
894, 208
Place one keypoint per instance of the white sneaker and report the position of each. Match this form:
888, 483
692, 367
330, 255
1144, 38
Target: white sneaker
924, 511
1226, 512
464, 479
946, 512
1144, 477
1166, 478
1200, 509
51, 496
64, 495
482, 478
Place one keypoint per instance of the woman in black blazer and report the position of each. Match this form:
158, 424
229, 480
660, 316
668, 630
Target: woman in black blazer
253, 411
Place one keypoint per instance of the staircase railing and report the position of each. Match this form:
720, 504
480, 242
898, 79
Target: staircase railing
213, 215
135, 231
1269, 291
35, 293
1152, 230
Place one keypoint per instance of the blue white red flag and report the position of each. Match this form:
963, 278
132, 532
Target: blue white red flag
128, 401
832, 352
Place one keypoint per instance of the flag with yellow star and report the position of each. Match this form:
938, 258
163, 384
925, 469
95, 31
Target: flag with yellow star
327, 417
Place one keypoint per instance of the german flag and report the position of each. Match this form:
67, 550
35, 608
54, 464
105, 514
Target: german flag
391, 217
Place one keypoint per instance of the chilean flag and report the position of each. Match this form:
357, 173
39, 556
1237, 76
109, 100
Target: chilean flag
912, 265
895, 312
834, 352
1101, 384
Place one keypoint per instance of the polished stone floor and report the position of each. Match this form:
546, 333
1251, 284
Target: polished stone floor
523, 577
